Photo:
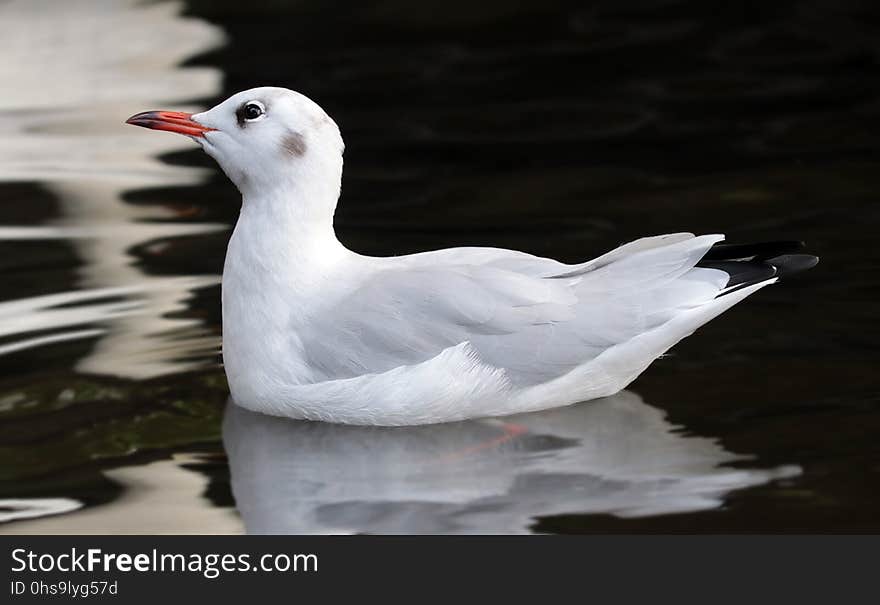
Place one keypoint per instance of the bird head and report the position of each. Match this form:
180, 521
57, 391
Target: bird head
262, 138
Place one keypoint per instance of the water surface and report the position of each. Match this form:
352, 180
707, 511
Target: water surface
554, 128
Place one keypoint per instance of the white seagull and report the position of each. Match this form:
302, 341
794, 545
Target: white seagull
315, 331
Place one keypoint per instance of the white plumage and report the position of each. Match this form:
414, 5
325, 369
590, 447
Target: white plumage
315, 331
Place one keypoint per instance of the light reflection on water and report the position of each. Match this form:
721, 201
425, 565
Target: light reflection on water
75, 71
72, 72
161, 497
616, 456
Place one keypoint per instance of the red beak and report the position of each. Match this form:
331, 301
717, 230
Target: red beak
172, 121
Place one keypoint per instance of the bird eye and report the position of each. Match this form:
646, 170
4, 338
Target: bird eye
252, 111
249, 112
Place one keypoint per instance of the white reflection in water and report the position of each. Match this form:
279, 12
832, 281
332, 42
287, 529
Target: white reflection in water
16, 509
616, 456
73, 72
162, 497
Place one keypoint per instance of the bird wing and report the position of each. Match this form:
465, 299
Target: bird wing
535, 266
533, 318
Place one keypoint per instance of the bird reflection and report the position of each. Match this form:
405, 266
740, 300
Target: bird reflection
616, 456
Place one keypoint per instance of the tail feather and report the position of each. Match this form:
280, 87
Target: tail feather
759, 251
748, 264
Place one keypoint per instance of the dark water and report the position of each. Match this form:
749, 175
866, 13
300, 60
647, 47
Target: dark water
558, 128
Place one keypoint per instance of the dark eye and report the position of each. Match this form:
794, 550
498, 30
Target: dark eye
248, 112
252, 111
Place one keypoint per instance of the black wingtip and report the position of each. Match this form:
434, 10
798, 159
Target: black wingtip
759, 251
748, 264
790, 264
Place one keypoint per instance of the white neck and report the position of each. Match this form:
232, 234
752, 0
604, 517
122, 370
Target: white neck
286, 220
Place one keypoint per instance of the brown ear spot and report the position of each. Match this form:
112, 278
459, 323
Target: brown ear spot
293, 144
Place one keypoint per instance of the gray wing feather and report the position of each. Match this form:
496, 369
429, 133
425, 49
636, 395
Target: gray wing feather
535, 318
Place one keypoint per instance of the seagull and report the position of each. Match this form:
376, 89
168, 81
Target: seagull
315, 331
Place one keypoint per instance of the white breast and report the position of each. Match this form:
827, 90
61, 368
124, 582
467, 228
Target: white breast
274, 282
